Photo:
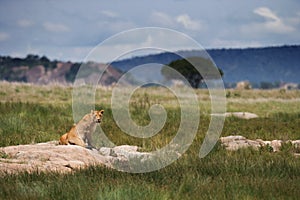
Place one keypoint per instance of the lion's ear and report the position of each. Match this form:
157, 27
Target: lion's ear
92, 111
101, 111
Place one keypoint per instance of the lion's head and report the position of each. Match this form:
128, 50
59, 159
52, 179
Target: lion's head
97, 115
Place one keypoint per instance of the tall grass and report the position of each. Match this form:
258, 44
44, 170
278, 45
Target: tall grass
23, 123
280, 126
244, 174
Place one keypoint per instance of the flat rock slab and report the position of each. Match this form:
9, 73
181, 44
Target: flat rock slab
241, 115
235, 142
51, 157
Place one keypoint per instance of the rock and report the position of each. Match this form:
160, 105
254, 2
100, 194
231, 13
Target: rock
276, 145
233, 143
232, 138
261, 142
241, 115
51, 157
106, 151
243, 85
47, 157
126, 152
296, 144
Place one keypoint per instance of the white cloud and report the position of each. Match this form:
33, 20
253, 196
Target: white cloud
266, 13
109, 13
116, 26
141, 42
241, 24
272, 23
4, 36
25, 23
165, 20
55, 27
188, 23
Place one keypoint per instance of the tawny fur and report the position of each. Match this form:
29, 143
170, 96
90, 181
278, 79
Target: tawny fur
81, 133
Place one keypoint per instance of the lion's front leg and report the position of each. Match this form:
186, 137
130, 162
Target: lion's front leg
88, 140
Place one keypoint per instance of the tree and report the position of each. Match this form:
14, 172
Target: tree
32, 57
186, 67
266, 85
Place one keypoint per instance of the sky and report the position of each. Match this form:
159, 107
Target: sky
70, 29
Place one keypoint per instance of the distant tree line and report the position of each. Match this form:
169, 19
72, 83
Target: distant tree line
9, 64
30, 60
265, 85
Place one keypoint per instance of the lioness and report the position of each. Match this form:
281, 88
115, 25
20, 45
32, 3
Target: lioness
81, 133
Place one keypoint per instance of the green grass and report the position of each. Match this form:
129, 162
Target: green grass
281, 126
23, 123
244, 174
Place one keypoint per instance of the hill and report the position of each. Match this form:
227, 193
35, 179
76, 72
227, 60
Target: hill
258, 65
40, 70
269, 64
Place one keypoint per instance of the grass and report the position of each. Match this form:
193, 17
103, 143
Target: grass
27, 116
280, 126
244, 174
23, 123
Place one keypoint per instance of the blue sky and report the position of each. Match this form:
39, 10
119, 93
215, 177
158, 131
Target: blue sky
68, 30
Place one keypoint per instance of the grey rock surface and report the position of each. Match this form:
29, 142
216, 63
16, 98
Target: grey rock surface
63, 158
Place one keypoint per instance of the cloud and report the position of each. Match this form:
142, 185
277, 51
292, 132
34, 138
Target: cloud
217, 24
266, 13
116, 26
184, 20
162, 19
55, 27
142, 41
272, 23
188, 23
4, 36
109, 13
25, 23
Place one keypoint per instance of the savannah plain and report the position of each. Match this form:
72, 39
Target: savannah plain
33, 114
